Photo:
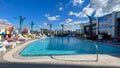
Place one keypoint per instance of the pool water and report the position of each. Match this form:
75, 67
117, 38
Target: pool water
65, 46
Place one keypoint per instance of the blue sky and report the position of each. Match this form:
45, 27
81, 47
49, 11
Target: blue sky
35, 10
45, 11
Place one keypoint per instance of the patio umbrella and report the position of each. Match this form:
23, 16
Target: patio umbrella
25, 30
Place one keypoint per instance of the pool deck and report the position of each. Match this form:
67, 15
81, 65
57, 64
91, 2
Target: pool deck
71, 61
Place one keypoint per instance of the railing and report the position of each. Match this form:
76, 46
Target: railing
95, 47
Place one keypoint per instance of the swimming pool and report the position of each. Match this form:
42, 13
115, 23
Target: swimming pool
65, 46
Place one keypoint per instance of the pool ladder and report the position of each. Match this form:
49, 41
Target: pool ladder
96, 49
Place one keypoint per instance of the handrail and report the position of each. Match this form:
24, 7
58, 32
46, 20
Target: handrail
96, 48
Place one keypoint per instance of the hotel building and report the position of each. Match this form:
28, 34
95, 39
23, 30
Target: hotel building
109, 23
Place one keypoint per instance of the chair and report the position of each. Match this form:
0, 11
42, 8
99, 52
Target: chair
13, 44
2, 48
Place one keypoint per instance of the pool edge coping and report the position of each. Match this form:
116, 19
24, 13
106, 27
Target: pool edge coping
14, 54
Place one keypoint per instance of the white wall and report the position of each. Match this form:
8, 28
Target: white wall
113, 24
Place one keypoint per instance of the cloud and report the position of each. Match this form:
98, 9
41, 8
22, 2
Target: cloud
68, 20
86, 10
74, 14
5, 22
45, 24
60, 8
77, 2
79, 14
103, 7
71, 13
52, 18
74, 24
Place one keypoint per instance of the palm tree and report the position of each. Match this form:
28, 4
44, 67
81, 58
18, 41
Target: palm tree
21, 22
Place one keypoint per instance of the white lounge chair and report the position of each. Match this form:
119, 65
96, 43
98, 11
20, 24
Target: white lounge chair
2, 48
13, 44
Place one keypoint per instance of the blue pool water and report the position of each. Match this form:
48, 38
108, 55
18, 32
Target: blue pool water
65, 46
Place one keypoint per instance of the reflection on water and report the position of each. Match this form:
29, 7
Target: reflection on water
65, 46
70, 44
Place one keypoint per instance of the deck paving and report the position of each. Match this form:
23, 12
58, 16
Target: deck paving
11, 59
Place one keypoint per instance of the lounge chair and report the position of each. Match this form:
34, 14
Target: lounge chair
13, 44
21, 38
2, 48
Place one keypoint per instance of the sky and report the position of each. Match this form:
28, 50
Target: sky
55, 12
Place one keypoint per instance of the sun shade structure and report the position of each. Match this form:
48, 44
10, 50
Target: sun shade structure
21, 22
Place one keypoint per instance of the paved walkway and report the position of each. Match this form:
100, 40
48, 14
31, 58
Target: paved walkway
12, 60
